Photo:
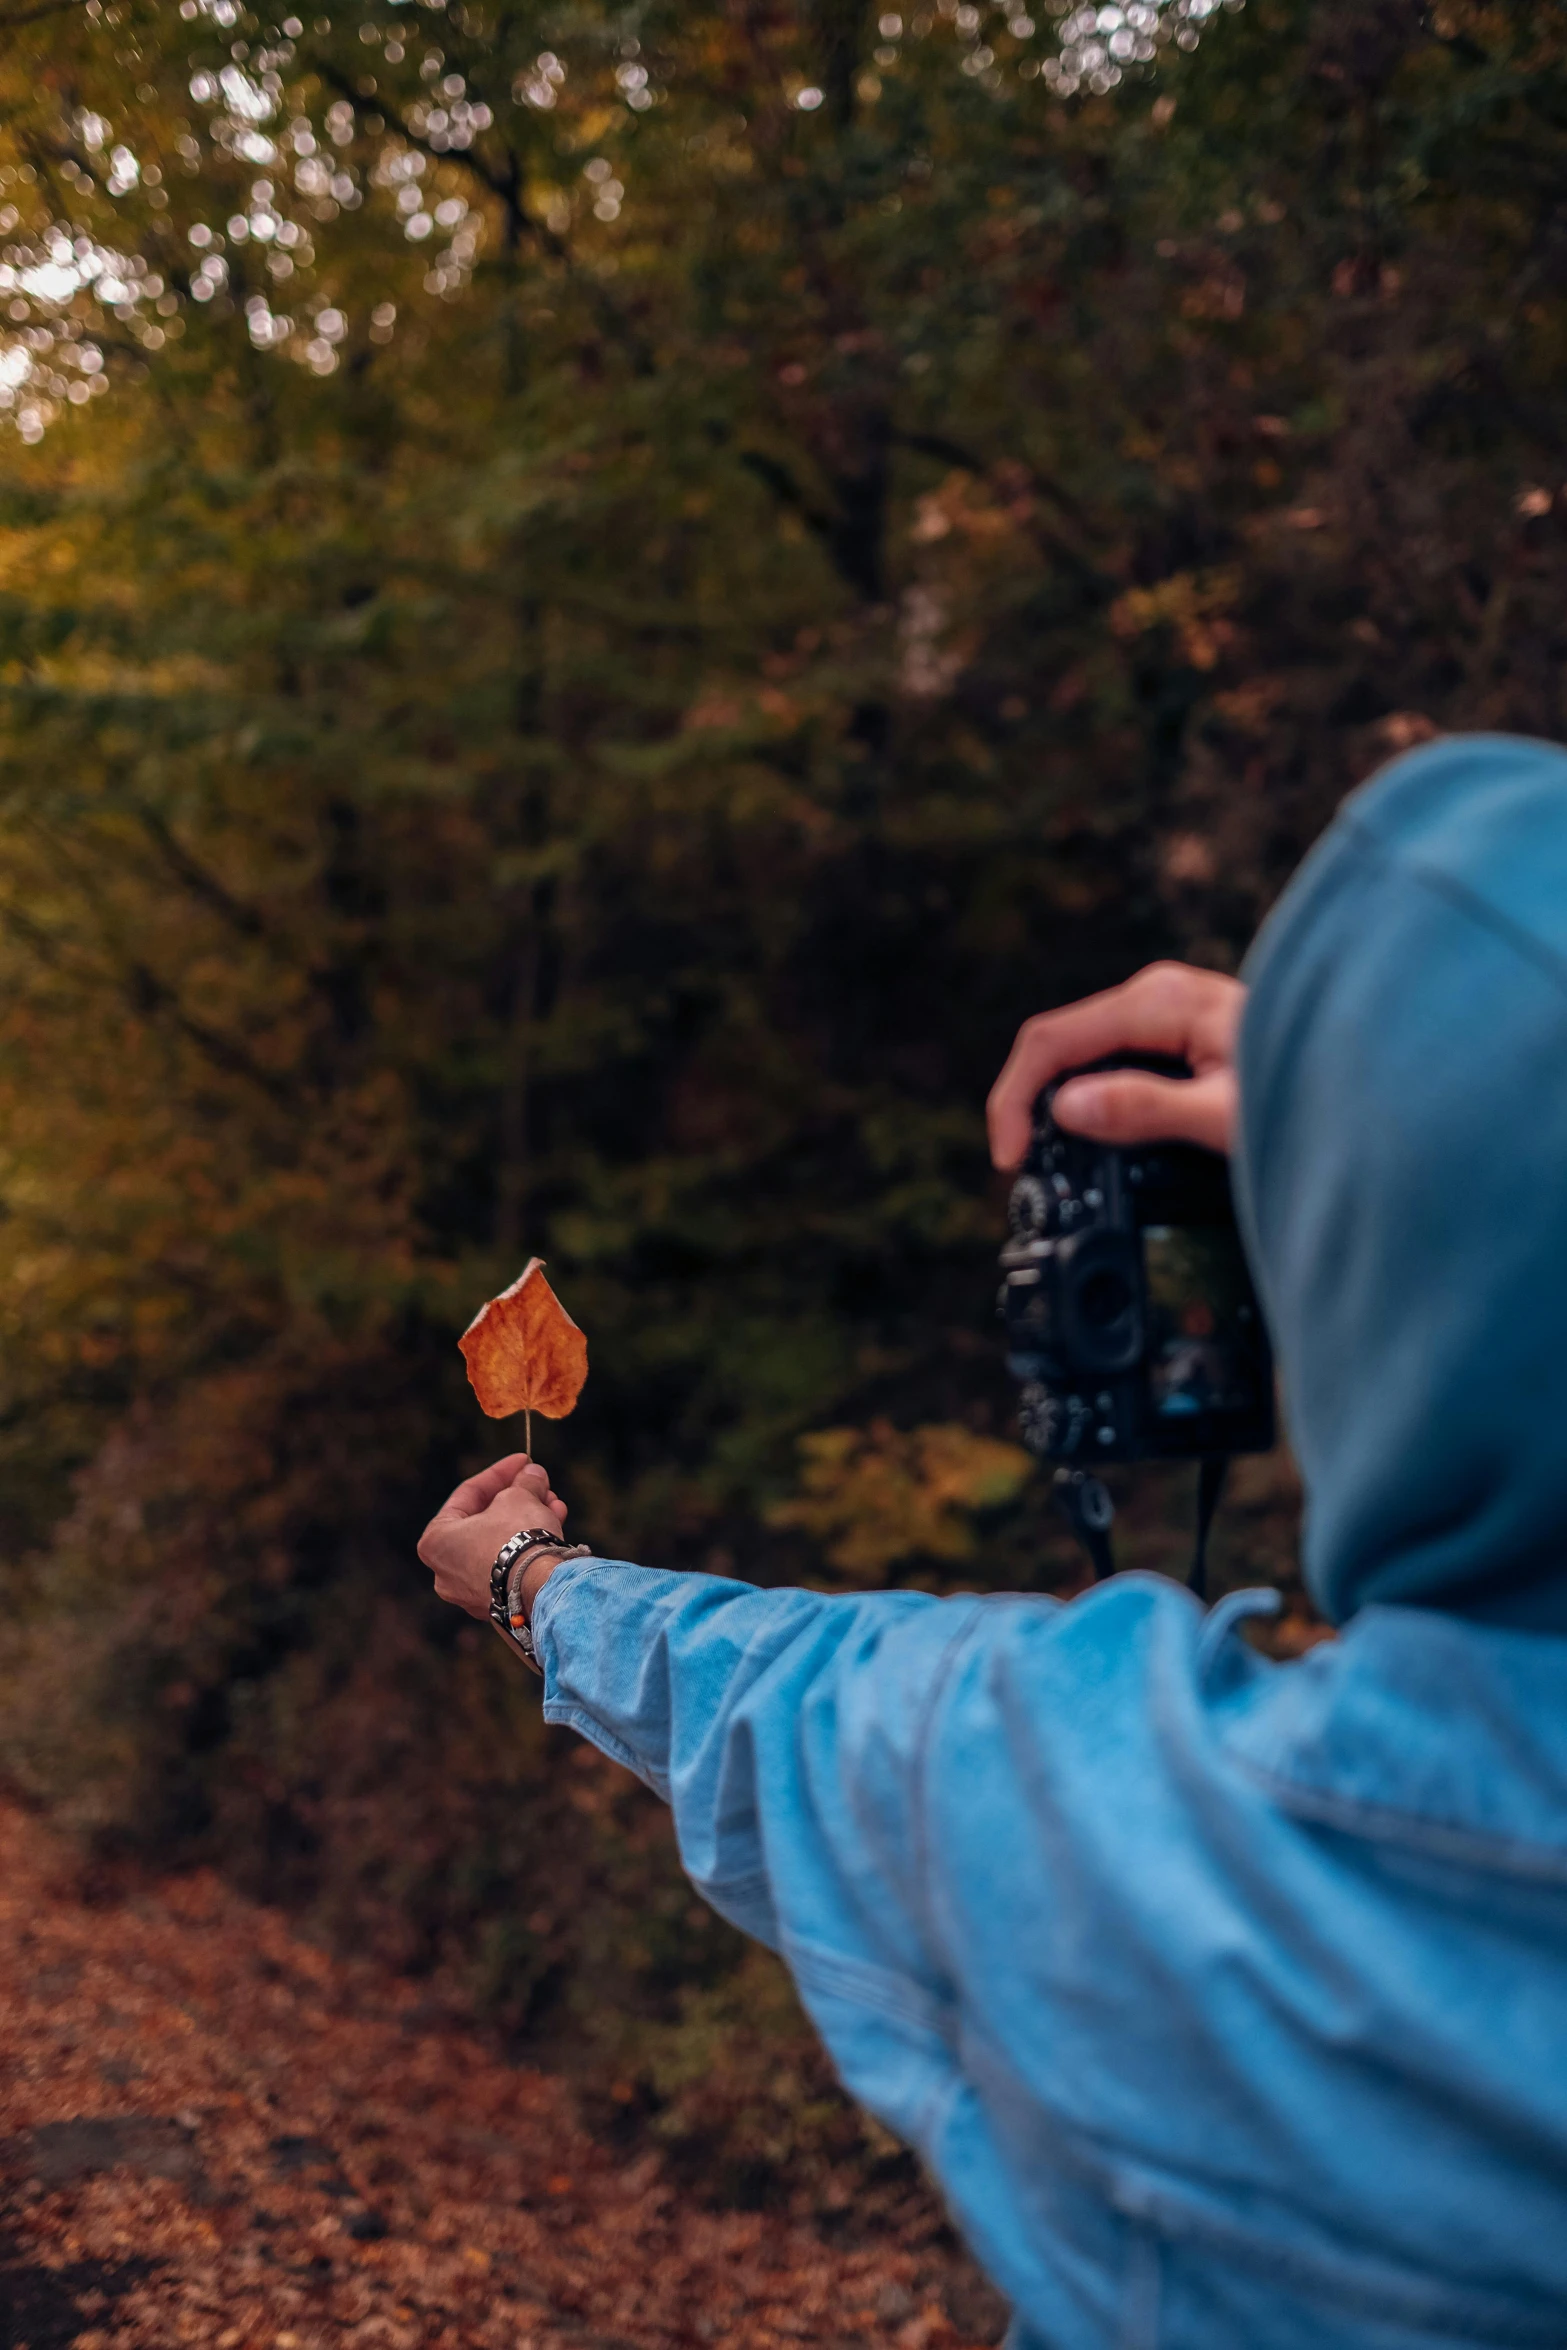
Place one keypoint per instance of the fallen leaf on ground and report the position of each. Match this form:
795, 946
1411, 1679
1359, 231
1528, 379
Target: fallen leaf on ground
187, 2158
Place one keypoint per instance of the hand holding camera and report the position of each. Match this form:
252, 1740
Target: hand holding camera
1169, 1009
1131, 1322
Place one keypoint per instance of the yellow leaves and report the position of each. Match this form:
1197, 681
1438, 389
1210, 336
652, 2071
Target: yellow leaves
1221, 294
720, 710
981, 512
524, 1352
1192, 604
876, 1495
1251, 706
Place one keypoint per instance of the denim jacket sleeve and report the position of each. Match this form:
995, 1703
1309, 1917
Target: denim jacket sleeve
788, 1732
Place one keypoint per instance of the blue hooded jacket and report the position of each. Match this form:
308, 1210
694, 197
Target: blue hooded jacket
1227, 2000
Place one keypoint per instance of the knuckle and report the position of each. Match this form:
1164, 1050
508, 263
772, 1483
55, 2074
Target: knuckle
1033, 1048
1164, 983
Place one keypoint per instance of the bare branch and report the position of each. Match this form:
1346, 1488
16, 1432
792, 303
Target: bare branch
151, 995
12, 21
197, 879
506, 187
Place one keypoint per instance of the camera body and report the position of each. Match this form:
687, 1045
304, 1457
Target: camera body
1131, 1320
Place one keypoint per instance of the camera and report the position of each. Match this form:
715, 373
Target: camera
1131, 1320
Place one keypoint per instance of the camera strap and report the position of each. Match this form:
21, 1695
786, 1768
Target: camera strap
1090, 1513
1211, 1472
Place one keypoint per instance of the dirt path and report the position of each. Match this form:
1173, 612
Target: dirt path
210, 2133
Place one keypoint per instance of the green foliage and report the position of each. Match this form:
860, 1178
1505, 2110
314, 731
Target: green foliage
874, 1497
581, 730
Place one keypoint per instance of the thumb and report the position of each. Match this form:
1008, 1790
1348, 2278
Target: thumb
1129, 1105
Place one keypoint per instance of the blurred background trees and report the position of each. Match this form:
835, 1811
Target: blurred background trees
595, 603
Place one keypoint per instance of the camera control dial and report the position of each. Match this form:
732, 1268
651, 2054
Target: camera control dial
1053, 1425
1028, 1210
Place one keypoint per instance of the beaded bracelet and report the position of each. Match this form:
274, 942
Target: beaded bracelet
506, 1585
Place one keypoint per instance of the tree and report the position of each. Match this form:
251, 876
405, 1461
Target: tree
646, 587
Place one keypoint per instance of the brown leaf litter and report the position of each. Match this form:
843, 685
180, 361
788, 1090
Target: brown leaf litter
213, 2133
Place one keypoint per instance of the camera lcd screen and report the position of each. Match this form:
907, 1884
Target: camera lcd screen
1202, 1322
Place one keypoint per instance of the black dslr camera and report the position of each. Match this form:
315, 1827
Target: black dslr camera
1131, 1320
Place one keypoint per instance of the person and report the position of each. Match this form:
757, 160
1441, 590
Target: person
1225, 1998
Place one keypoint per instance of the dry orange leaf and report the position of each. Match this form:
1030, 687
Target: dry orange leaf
524, 1352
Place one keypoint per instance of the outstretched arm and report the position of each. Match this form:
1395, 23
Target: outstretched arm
786, 1730
789, 1732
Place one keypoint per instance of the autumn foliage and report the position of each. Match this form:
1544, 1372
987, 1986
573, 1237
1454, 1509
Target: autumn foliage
576, 717
266, 2147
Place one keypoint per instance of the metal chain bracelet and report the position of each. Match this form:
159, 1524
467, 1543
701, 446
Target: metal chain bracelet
505, 1610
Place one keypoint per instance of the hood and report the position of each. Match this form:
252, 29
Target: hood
1402, 1181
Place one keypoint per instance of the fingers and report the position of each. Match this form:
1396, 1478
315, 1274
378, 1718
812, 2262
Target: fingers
534, 1478
476, 1493
461, 1540
1167, 1008
1126, 1108
472, 1498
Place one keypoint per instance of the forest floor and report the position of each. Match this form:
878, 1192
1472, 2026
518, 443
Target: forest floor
212, 2132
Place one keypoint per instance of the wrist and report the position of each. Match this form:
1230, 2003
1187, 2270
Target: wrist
537, 1573
524, 1559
